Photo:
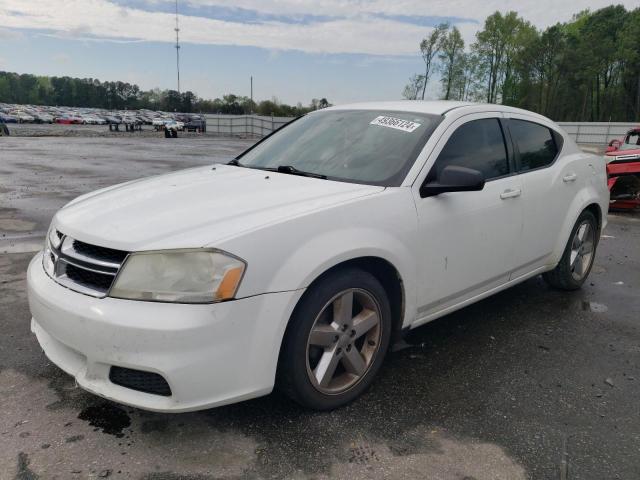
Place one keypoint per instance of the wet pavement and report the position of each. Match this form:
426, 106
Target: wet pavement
531, 383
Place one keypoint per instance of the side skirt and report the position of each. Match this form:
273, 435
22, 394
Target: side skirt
433, 315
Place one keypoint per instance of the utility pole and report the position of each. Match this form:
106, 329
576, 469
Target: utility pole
251, 93
177, 29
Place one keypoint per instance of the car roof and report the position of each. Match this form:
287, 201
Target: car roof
434, 107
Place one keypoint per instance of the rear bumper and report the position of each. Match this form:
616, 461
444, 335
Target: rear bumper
209, 355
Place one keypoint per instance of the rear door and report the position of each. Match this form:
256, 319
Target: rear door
467, 239
548, 188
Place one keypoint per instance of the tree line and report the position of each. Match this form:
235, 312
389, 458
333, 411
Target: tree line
91, 93
587, 69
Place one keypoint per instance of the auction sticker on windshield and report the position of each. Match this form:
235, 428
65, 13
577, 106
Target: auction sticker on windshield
397, 123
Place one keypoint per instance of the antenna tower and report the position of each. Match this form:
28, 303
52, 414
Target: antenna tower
177, 29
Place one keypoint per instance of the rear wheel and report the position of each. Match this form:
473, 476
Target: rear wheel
577, 259
336, 341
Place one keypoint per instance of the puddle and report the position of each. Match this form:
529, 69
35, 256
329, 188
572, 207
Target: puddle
37, 442
108, 418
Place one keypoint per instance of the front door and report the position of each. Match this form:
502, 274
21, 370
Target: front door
468, 240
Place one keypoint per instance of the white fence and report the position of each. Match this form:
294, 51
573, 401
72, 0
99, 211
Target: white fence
585, 133
596, 133
244, 125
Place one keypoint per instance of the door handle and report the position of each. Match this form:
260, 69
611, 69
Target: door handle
510, 193
569, 178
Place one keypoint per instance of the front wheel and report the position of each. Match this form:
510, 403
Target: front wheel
336, 341
577, 259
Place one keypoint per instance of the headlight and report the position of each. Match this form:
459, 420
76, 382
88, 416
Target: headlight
51, 244
182, 276
55, 238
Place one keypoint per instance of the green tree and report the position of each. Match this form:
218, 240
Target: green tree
452, 51
629, 51
496, 45
414, 87
430, 47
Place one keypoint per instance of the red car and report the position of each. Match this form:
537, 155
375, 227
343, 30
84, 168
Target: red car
623, 171
64, 120
68, 120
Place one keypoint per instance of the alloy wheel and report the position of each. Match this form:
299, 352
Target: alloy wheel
344, 341
582, 249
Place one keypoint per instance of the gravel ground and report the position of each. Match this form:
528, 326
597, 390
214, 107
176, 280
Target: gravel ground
531, 383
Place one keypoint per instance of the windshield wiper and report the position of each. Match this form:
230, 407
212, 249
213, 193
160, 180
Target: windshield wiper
291, 170
288, 169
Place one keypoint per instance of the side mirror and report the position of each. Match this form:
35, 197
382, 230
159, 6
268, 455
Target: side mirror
454, 179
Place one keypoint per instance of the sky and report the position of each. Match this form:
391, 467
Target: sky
296, 50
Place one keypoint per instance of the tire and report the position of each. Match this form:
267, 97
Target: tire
576, 262
356, 349
167, 133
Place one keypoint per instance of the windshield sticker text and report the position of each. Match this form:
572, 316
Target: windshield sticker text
397, 123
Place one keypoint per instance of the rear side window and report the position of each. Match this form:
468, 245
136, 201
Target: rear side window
536, 144
478, 144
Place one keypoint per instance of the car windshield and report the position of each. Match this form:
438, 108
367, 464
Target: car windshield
360, 146
632, 142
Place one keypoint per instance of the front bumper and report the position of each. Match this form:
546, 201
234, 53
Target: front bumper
624, 184
209, 355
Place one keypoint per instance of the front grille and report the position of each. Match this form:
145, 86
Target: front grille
140, 380
100, 253
98, 281
85, 268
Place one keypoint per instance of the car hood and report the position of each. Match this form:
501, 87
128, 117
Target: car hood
628, 153
197, 207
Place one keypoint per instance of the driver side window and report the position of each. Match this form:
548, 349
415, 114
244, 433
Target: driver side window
478, 144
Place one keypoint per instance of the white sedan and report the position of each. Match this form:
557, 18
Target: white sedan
299, 262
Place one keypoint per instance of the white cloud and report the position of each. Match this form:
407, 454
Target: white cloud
61, 58
355, 27
6, 34
541, 13
103, 19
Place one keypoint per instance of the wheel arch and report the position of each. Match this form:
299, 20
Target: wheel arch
385, 272
597, 212
585, 201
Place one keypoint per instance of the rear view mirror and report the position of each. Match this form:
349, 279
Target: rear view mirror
454, 179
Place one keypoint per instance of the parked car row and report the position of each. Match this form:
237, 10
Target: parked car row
182, 122
12, 113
